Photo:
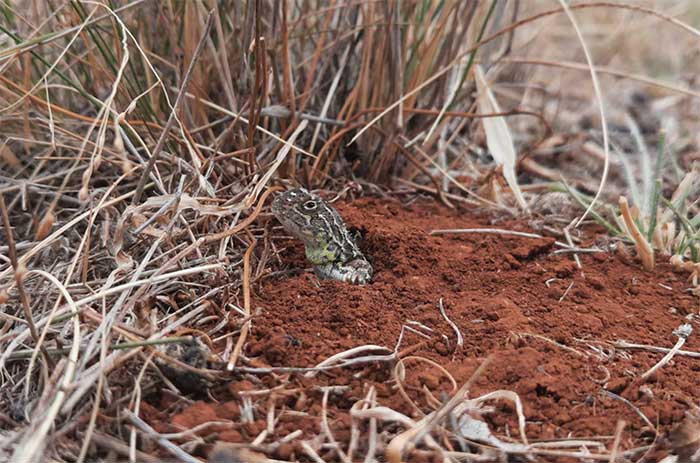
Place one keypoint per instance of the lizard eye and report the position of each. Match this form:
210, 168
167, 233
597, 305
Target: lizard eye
309, 205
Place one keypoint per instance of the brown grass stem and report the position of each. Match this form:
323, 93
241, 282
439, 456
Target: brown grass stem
246, 307
20, 273
173, 114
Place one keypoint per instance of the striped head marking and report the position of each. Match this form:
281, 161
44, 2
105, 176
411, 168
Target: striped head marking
328, 243
300, 213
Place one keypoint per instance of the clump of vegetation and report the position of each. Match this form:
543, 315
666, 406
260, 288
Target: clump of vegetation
654, 223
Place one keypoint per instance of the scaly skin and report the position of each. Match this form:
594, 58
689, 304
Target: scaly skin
329, 245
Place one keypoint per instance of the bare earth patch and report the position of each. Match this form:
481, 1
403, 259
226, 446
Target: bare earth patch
549, 327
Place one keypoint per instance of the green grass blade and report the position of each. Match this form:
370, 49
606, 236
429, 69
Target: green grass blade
656, 193
597, 217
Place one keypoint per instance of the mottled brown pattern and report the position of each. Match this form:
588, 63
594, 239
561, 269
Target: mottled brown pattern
329, 245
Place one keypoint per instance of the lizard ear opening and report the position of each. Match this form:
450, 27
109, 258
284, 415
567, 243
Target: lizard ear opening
310, 205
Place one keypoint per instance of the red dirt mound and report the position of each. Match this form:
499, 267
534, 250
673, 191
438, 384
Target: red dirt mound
548, 326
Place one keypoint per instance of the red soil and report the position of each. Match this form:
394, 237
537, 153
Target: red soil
499, 291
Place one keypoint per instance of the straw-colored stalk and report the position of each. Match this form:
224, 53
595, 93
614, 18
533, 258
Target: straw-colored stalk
646, 253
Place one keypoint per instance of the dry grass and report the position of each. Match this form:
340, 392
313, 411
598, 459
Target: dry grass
140, 141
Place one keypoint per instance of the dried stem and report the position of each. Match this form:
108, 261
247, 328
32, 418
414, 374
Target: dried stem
173, 114
646, 253
20, 273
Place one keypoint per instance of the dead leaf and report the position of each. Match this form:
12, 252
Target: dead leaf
498, 137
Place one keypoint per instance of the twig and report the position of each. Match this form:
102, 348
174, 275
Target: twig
355, 361
576, 250
311, 453
682, 332
495, 231
629, 345
246, 306
570, 241
551, 341
571, 285
165, 443
460, 340
171, 119
330, 361
111, 443
631, 405
616, 443
327, 429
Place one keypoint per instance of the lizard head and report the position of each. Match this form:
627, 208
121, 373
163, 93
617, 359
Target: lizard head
300, 211
328, 244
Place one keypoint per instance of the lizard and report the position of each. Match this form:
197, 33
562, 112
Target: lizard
329, 245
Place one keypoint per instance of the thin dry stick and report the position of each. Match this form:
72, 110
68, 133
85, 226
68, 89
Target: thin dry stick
682, 332
372, 440
246, 307
171, 119
311, 453
616, 443
118, 447
165, 443
496, 231
636, 409
460, 339
20, 273
336, 358
663, 350
553, 342
570, 241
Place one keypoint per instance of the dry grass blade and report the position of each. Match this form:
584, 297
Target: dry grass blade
34, 439
601, 109
683, 332
246, 307
173, 114
176, 451
498, 135
20, 274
